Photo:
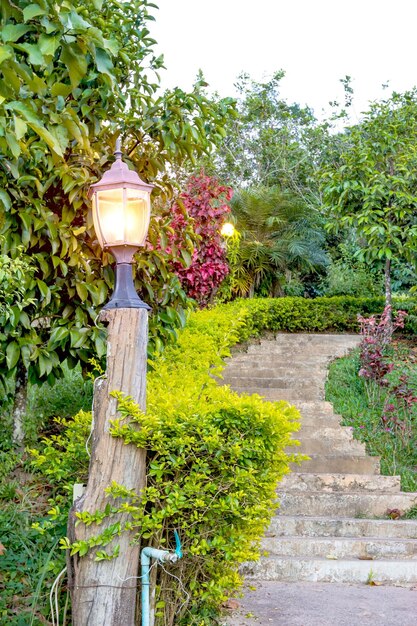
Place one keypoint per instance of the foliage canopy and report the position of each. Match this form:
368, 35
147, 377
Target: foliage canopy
73, 76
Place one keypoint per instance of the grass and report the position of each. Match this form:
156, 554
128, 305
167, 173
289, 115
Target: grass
30, 558
361, 406
69, 395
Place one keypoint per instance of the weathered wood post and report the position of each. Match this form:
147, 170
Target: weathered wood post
104, 593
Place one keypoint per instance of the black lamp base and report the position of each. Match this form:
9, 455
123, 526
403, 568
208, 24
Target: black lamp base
125, 296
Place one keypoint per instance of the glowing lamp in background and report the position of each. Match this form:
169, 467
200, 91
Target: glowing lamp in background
121, 214
228, 230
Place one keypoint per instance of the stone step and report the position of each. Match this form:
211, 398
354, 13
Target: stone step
346, 504
299, 339
310, 430
339, 464
261, 373
293, 569
301, 347
341, 548
256, 361
294, 354
329, 338
284, 382
327, 445
316, 409
260, 385
338, 483
293, 396
328, 501
332, 341
292, 367
326, 422
334, 526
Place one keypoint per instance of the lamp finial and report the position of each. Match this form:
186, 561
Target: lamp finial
118, 151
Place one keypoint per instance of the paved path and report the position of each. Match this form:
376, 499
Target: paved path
323, 604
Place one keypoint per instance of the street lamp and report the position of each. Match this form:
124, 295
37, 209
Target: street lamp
121, 214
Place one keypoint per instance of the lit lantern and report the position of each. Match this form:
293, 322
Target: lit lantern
121, 214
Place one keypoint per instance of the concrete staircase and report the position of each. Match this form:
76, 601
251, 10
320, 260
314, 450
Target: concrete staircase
325, 530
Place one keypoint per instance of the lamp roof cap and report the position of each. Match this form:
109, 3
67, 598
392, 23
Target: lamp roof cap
119, 175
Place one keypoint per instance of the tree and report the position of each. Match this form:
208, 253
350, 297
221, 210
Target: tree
371, 185
73, 76
279, 235
271, 142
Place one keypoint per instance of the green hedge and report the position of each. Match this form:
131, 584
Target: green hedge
295, 314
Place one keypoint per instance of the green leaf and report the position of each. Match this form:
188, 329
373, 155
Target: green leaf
103, 62
74, 21
5, 200
13, 145
25, 109
43, 288
20, 127
73, 57
48, 26
100, 346
12, 354
5, 53
48, 44
31, 11
61, 135
34, 53
102, 291
48, 138
45, 365
24, 320
59, 334
13, 32
78, 337
82, 291
60, 89
187, 257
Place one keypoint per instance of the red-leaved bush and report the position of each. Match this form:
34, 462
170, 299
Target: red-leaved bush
399, 397
376, 334
206, 202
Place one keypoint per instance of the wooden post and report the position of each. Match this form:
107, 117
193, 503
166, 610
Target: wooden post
104, 592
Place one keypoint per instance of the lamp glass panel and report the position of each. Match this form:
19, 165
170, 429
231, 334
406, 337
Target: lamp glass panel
137, 215
109, 217
121, 216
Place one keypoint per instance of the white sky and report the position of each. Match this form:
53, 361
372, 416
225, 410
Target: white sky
316, 42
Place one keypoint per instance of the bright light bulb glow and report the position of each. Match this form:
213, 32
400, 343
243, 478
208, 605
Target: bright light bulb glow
228, 230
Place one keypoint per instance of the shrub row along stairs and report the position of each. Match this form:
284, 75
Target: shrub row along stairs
326, 528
